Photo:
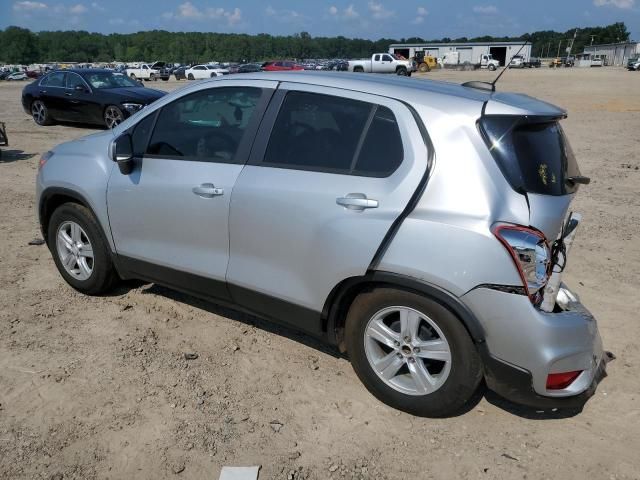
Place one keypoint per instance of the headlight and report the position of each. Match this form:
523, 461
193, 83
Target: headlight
531, 255
132, 107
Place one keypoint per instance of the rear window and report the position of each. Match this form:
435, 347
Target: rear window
532, 153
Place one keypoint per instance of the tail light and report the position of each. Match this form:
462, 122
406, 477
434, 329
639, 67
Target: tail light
531, 254
558, 381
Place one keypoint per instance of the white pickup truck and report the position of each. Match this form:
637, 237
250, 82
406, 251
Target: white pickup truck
143, 72
382, 63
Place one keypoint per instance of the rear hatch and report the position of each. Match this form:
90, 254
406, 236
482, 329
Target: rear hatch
526, 140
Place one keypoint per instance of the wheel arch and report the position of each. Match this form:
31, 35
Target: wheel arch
342, 296
52, 198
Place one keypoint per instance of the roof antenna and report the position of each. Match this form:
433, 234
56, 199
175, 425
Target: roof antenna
491, 86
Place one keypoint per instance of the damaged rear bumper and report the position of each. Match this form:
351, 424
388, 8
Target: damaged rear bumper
524, 345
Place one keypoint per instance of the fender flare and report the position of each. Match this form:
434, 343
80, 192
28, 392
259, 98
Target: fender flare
336, 305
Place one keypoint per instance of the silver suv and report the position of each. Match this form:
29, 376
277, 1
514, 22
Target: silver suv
419, 226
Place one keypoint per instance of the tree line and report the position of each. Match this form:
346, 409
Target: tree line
22, 46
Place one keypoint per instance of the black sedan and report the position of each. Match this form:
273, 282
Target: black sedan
179, 73
95, 96
249, 68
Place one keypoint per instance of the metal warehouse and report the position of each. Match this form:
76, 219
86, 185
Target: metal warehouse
614, 53
469, 52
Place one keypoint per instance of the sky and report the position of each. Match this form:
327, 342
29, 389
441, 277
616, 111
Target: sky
371, 19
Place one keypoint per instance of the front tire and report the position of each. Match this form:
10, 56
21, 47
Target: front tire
113, 116
402, 72
412, 353
40, 113
79, 250
492, 68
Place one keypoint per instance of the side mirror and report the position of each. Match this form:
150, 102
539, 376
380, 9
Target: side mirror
123, 153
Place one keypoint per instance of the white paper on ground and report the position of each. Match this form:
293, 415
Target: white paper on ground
239, 473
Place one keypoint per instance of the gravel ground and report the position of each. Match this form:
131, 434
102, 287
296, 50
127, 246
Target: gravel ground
100, 388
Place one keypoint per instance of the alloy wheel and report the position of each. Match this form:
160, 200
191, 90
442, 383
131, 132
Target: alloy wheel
113, 117
75, 250
407, 350
39, 112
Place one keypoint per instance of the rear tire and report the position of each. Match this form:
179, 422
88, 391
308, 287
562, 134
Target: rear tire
93, 275
190, 77
447, 385
424, 68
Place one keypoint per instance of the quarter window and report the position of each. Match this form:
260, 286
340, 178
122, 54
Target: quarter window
334, 134
205, 126
141, 134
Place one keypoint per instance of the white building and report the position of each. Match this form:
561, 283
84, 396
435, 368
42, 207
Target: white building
614, 53
469, 52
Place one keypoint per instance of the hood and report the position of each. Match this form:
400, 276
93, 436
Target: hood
135, 94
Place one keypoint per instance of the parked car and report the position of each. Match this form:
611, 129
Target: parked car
249, 68
382, 63
216, 171
198, 72
633, 64
4, 75
14, 76
517, 62
163, 69
534, 62
180, 74
33, 73
143, 72
281, 66
596, 62
94, 96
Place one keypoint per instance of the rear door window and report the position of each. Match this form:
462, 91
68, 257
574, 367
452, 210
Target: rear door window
334, 134
55, 79
533, 153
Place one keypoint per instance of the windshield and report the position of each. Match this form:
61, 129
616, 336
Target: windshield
101, 80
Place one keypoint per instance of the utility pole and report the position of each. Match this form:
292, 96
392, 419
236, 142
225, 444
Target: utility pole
592, 37
559, 48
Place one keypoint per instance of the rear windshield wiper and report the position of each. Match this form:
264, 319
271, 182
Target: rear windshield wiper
578, 179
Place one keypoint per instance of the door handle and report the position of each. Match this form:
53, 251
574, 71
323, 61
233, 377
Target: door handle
43, 91
356, 201
68, 94
207, 190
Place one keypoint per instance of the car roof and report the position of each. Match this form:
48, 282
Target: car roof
80, 71
416, 92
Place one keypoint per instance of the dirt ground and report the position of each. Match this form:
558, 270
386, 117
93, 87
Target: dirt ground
99, 387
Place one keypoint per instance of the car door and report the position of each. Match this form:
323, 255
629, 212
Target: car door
52, 93
387, 61
81, 100
169, 217
329, 173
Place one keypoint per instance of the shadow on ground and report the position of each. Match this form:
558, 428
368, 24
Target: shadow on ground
317, 344
7, 156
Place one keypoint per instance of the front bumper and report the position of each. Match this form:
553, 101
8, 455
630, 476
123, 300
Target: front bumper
524, 345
